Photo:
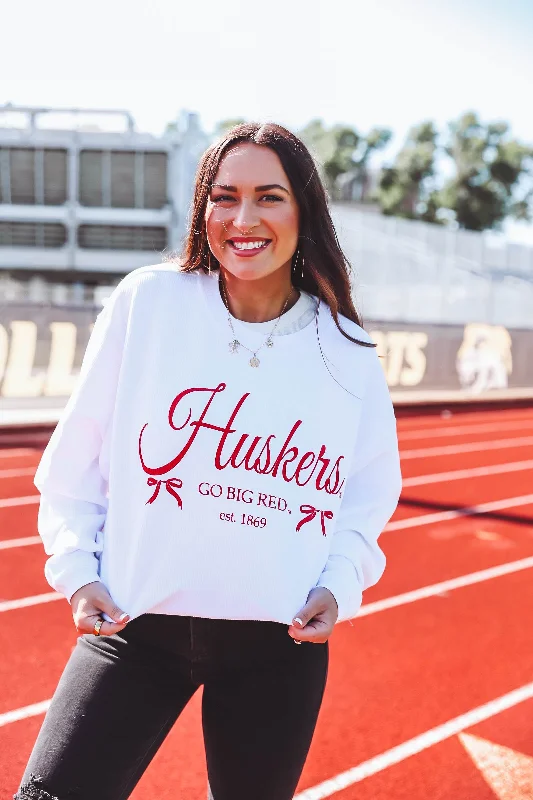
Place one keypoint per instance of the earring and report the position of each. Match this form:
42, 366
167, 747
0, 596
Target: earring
295, 262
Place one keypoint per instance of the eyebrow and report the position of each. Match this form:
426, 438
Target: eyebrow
264, 188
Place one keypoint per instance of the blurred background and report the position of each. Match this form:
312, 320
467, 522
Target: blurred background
418, 116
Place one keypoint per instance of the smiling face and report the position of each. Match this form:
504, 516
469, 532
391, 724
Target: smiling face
252, 215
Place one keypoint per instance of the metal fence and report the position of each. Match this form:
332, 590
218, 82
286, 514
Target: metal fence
409, 271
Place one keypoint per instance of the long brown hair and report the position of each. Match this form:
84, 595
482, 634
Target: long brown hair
326, 269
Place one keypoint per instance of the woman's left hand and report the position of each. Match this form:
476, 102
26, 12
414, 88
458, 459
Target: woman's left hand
317, 617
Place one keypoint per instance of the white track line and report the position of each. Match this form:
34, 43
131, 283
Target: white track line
472, 472
373, 765
18, 451
471, 447
24, 541
366, 609
472, 417
24, 712
445, 586
371, 608
468, 511
396, 525
17, 473
419, 480
464, 430
407, 454
34, 600
417, 744
29, 500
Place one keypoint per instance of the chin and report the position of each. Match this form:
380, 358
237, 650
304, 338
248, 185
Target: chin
248, 272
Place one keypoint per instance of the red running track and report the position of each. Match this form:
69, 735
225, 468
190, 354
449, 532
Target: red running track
397, 674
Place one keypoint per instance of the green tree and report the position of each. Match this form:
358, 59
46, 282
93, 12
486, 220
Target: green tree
341, 152
225, 125
407, 189
489, 170
376, 139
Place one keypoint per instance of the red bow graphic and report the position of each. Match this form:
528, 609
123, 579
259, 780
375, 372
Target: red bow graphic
311, 512
171, 484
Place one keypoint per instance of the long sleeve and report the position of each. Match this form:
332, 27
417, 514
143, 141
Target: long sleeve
70, 477
370, 497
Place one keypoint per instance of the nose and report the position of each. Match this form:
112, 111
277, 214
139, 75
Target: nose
245, 217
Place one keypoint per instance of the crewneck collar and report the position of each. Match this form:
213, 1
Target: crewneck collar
296, 318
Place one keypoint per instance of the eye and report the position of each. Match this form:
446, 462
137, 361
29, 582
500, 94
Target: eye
271, 198
222, 197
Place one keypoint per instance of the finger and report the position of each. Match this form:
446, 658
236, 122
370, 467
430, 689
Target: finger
106, 604
306, 614
90, 611
325, 616
110, 628
87, 622
318, 630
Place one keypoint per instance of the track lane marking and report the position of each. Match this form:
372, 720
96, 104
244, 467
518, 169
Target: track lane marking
33, 600
23, 713
417, 744
28, 500
379, 762
421, 479
18, 451
449, 585
471, 472
467, 511
17, 473
471, 447
401, 524
24, 541
464, 430
408, 454
373, 765
485, 417
471, 578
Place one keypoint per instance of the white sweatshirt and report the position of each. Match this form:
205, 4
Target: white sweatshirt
192, 483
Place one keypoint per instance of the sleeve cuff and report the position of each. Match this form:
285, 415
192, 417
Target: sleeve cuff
68, 572
340, 577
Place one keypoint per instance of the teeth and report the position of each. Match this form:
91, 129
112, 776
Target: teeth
249, 245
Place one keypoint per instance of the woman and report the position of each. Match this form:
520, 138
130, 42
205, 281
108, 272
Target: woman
215, 489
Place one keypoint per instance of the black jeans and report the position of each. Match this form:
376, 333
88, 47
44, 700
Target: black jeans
119, 696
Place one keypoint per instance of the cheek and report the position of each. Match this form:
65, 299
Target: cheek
215, 228
286, 227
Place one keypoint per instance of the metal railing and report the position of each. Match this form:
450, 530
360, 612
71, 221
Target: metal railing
417, 272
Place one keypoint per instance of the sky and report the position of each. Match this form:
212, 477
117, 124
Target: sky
390, 63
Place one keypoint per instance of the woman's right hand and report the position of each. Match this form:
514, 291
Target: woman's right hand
87, 605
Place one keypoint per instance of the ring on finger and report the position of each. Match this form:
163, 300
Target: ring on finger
97, 626
297, 641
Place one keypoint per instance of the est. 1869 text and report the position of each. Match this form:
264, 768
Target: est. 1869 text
244, 519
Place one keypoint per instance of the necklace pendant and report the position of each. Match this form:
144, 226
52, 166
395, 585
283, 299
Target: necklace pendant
254, 361
269, 342
234, 346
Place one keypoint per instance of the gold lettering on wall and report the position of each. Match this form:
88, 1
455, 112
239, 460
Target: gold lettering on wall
4, 349
18, 378
402, 355
60, 380
415, 357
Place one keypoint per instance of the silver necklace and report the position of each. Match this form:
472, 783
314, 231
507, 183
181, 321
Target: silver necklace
235, 343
